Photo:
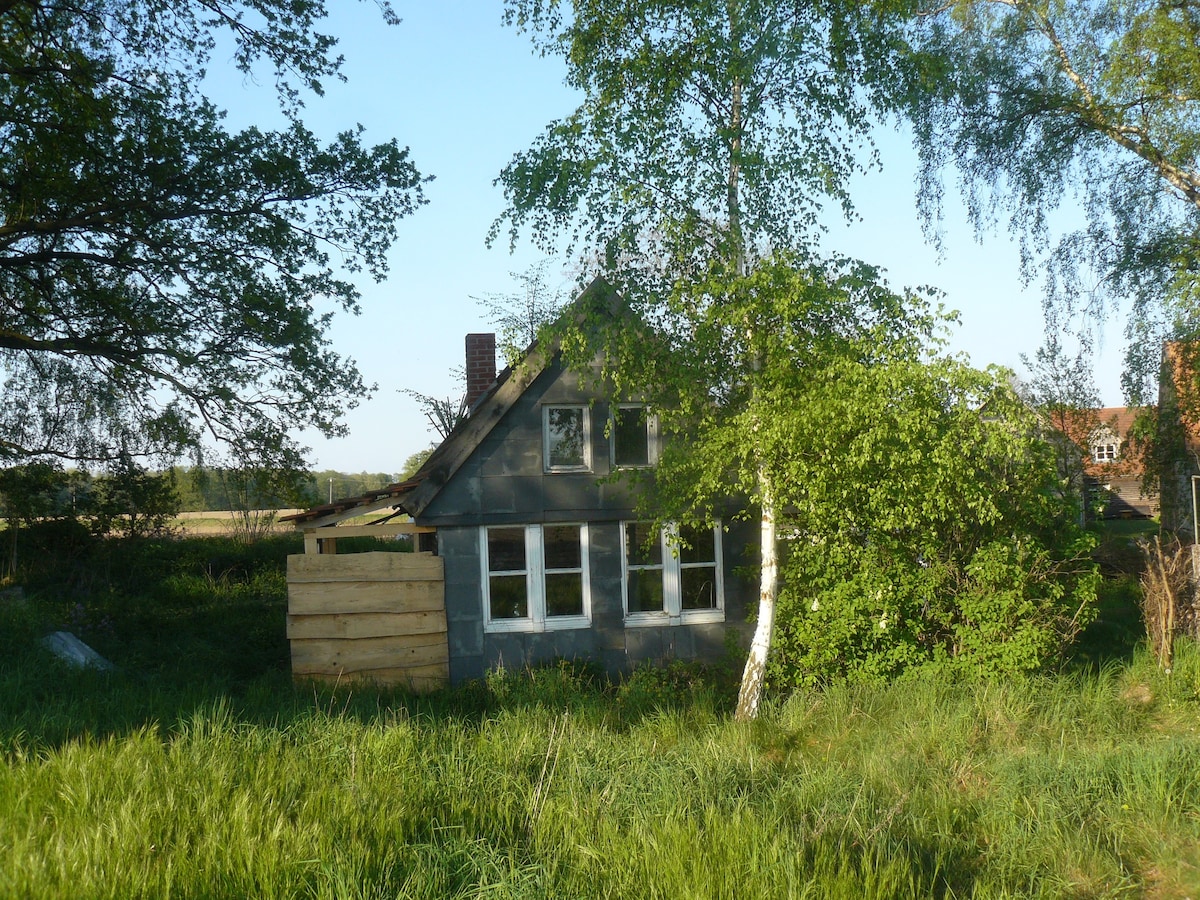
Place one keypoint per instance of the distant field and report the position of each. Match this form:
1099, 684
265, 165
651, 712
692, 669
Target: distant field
227, 522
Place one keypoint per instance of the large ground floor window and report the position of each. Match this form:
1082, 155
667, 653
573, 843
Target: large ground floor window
535, 577
672, 575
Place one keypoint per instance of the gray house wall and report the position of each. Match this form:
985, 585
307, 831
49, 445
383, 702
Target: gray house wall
503, 483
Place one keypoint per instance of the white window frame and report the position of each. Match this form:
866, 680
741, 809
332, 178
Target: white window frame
535, 583
651, 437
1106, 451
673, 612
587, 438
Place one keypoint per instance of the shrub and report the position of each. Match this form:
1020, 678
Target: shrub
935, 534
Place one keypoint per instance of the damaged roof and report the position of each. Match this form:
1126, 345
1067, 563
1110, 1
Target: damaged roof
414, 495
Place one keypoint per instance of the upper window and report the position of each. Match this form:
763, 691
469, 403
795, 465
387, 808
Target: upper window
673, 575
566, 438
634, 437
535, 577
1103, 453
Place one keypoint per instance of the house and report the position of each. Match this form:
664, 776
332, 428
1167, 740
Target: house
1098, 446
531, 512
1114, 465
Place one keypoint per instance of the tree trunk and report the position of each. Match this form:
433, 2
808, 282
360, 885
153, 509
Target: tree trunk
756, 663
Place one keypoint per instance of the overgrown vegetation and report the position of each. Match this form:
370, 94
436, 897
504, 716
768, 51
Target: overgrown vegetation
197, 769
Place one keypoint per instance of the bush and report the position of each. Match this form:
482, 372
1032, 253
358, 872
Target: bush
937, 536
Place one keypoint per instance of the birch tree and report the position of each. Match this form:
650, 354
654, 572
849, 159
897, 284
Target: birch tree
1095, 100
710, 135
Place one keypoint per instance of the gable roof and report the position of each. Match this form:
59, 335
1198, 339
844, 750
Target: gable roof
414, 495
1083, 426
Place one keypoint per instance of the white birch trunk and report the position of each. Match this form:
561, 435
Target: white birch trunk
756, 663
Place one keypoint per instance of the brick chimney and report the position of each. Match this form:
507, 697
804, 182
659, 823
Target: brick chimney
481, 365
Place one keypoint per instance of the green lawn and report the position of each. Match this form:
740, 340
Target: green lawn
198, 770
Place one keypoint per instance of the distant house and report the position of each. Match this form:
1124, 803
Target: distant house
1114, 466
1110, 461
543, 554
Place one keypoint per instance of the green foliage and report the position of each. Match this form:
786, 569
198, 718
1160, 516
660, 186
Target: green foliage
34, 491
254, 493
709, 138
677, 686
1061, 388
162, 274
922, 514
414, 463
203, 611
706, 131
254, 488
198, 768
1095, 99
733, 389
927, 527
134, 502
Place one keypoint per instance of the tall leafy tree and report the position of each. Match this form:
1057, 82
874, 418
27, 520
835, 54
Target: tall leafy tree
1095, 99
710, 134
163, 279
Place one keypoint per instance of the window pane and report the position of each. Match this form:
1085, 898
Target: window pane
701, 545
699, 588
508, 598
636, 551
562, 546
631, 438
564, 594
645, 591
506, 549
564, 436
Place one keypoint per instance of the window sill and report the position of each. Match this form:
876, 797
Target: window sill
529, 626
659, 620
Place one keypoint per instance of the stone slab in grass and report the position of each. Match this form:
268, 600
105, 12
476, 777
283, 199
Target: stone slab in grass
67, 647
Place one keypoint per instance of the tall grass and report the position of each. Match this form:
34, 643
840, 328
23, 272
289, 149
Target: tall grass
145, 782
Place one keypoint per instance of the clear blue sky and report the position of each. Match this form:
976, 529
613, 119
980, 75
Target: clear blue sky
465, 94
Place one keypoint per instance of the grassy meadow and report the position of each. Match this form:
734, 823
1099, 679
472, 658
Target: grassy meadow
197, 769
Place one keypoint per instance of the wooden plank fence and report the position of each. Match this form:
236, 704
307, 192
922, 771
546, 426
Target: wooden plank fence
378, 616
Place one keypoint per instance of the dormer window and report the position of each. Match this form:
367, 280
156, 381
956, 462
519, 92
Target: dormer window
633, 437
1105, 452
566, 439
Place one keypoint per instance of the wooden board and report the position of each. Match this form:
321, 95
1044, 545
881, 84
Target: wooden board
333, 657
364, 625
306, 599
374, 566
419, 678
377, 531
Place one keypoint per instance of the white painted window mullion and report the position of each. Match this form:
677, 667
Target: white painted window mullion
537, 576
672, 589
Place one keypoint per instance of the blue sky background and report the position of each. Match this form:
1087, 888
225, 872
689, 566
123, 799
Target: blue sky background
465, 94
